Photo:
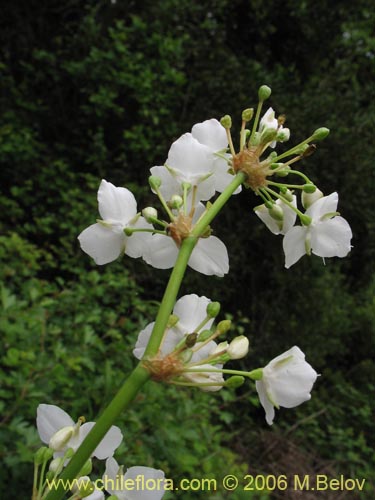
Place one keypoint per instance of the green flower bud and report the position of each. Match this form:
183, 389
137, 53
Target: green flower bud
309, 188
224, 326
42, 455
213, 309
234, 381
204, 335
154, 181
86, 469
226, 121
128, 231
268, 135
276, 212
176, 201
256, 374
283, 172
273, 166
172, 320
320, 133
305, 219
264, 92
283, 135
247, 114
150, 213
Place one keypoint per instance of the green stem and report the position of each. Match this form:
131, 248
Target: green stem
139, 376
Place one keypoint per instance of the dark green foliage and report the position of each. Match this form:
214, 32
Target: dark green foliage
93, 90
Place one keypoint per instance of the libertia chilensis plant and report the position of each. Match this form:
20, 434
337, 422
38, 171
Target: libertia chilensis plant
186, 345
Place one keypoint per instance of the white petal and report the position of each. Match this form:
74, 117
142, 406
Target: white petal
189, 156
265, 402
191, 311
50, 419
150, 481
221, 176
170, 185
211, 133
210, 257
268, 120
294, 245
96, 495
263, 213
107, 445
325, 205
206, 378
109, 478
142, 340
161, 252
331, 238
204, 352
171, 338
102, 243
137, 244
116, 203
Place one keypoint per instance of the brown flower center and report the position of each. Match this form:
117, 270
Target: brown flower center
247, 161
180, 228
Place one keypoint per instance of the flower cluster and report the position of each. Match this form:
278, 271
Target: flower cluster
63, 437
189, 356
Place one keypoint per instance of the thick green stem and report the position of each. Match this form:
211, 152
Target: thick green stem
140, 375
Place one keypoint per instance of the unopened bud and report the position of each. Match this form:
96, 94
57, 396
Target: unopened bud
283, 135
61, 438
274, 166
83, 486
320, 133
221, 348
56, 464
287, 194
176, 201
268, 135
305, 219
226, 121
204, 335
283, 172
87, 468
154, 181
247, 114
264, 92
224, 326
42, 455
234, 381
308, 198
150, 213
172, 320
213, 309
276, 212
239, 347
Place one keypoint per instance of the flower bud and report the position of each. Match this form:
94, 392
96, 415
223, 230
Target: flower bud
224, 326
309, 197
191, 339
226, 121
150, 213
305, 219
61, 438
283, 135
204, 335
234, 381
276, 212
154, 181
56, 464
42, 455
213, 309
83, 486
287, 194
172, 320
239, 347
320, 134
264, 92
87, 468
283, 172
247, 114
176, 201
220, 348
268, 135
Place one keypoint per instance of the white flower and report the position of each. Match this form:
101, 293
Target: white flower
268, 121
212, 134
51, 420
287, 381
238, 348
278, 227
138, 483
328, 235
191, 311
105, 241
209, 256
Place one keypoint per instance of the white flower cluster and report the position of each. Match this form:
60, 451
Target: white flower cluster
63, 436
